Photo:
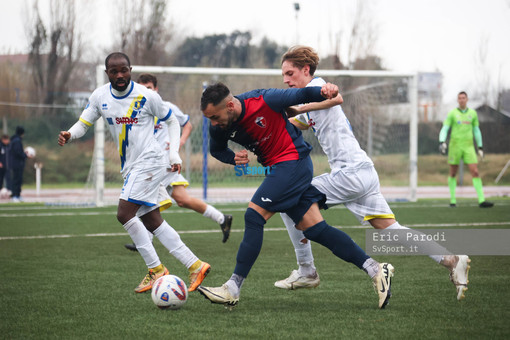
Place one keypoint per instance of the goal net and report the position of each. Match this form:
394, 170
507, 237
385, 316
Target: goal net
380, 105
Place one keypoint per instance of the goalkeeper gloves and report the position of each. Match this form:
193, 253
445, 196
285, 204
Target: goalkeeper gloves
442, 148
480, 153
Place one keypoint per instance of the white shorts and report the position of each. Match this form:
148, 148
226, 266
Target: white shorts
178, 179
147, 187
357, 189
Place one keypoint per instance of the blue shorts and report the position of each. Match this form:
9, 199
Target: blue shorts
287, 188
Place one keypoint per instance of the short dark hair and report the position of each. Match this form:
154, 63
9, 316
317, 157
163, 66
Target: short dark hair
146, 78
462, 92
116, 55
214, 94
20, 130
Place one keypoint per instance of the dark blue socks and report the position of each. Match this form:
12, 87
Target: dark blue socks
338, 242
252, 242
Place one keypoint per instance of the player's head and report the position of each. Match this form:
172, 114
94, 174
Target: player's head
20, 131
118, 69
148, 80
217, 104
5, 139
462, 99
298, 66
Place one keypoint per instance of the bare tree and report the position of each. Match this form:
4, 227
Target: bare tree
55, 49
353, 46
144, 32
482, 72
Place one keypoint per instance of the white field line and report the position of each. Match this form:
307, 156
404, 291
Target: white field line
431, 225
182, 211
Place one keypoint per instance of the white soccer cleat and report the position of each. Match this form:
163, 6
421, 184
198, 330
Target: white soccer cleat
220, 295
382, 283
296, 281
459, 275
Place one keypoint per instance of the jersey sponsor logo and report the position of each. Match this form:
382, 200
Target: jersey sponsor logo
126, 120
103, 107
127, 123
233, 134
261, 121
109, 120
264, 199
460, 122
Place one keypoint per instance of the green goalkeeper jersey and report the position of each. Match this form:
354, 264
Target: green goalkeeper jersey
462, 124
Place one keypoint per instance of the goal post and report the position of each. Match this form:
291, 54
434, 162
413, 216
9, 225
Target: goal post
382, 107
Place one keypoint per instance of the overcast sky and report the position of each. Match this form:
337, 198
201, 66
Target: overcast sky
426, 36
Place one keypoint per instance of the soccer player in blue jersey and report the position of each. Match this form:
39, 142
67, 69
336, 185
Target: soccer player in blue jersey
257, 120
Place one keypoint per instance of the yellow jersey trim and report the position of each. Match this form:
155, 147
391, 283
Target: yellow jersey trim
85, 122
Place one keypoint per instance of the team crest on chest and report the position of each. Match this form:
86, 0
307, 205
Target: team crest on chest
261, 121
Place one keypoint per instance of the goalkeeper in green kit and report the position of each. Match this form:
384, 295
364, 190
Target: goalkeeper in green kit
464, 124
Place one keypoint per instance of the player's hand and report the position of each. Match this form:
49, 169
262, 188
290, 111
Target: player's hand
480, 153
292, 111
63, 137
442, 148
176, 168
329, 91
241, 157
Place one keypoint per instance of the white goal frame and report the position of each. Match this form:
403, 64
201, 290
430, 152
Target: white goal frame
101, 79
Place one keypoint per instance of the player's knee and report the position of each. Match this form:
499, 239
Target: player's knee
122, 217
252, 218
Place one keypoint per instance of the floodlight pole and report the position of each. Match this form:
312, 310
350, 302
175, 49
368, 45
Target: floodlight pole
296, 8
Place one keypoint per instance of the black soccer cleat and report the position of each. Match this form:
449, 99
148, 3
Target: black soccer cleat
225, 227
453, 205
131, 246
486, 204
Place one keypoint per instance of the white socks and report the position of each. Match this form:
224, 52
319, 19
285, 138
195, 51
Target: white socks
214, 214
303, 250
172, 241
138, 233
436, 258
371, 267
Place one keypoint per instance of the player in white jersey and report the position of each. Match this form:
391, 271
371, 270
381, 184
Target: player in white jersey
129, 110
353, 180
177, 187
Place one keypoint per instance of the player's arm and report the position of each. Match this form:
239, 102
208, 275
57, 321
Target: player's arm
299, 123
279, 99
478, 139
218, 146
185, 133
76, 131
183, 121
315, 106
88, 117
174, 134
443, 134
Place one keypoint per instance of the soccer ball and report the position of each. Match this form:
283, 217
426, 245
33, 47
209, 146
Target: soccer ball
169, 292
30, 151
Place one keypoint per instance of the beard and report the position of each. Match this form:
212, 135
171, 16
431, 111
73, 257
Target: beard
121, 85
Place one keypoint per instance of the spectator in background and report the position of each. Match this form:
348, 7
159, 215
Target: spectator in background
17, 163
4, 165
